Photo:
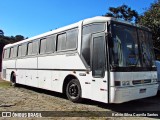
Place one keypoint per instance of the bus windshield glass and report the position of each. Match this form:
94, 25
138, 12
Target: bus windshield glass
131, 47
146, 46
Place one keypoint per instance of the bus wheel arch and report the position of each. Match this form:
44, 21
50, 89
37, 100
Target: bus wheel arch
72, 82
13, 79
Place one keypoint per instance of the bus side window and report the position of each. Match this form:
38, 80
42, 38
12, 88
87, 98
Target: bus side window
19, 51
61, 42
5, 54
15, 52
86, 48
72, 36
88, 30
98, 59
29, 49
24, 49
93, 28
35, 47
12, 51
51, 44
42, 46
8, 53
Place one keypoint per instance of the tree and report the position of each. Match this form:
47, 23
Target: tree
6, 40
123, 12
1, 33
151, 19
19, 37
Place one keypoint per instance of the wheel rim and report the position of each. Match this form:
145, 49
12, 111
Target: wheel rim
73, 90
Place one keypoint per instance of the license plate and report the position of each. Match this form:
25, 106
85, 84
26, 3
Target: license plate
142, 91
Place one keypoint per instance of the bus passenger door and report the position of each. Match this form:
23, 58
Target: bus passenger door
99, 74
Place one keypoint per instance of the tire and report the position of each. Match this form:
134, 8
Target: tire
73, 91
13, 80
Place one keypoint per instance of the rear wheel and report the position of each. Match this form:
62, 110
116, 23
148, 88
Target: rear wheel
13, 79
73, 91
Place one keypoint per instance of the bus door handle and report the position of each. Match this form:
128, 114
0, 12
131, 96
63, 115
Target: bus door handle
93, 80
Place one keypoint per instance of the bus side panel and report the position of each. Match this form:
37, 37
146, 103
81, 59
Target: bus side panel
45, 79
8, 67
86, 82
31, 78
68, 61
54, 69
27, 71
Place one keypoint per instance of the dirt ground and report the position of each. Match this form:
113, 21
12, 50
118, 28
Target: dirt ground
27, 99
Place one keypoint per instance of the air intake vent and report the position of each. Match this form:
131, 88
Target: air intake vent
137, 82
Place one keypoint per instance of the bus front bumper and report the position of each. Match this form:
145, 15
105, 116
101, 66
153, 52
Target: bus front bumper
125, 94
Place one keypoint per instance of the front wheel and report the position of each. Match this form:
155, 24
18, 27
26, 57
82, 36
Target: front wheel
13, 80
73, 91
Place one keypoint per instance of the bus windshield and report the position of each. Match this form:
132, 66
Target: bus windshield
129, 48
146, 46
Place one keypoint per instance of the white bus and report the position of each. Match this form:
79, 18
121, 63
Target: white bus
100, 58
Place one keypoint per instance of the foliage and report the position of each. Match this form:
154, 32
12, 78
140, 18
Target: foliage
7, 40
123, 12
1, 33
151, 19
19, 37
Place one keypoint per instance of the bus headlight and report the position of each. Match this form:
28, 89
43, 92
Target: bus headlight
125, 83
154, 80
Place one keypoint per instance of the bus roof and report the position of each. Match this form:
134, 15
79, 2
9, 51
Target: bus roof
85, 21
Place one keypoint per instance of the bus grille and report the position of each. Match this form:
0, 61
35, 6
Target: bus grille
137, 82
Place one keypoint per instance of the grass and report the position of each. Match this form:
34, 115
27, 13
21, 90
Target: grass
4, 84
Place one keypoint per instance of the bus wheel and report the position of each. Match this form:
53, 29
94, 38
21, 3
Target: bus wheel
13, 80
73, 91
